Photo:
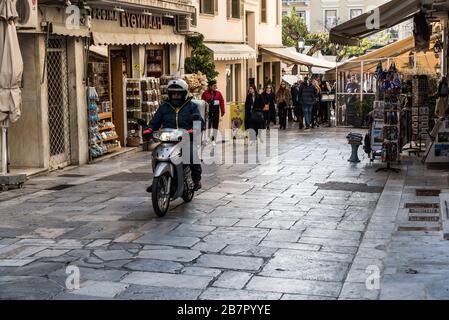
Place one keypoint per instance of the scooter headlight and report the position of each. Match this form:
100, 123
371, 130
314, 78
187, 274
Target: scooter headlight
172, 136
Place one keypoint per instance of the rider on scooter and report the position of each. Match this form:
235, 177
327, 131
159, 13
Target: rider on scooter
179, 112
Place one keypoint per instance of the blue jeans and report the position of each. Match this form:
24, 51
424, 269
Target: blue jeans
308, 114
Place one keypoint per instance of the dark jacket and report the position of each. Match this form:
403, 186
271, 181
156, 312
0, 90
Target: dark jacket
271, 100
253, 109
168, 117
307, 94
295, 96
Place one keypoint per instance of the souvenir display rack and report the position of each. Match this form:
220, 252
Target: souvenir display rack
420, 110
103, 138
389, 85
142, 99
102, 135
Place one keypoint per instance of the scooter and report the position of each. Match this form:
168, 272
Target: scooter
172, 178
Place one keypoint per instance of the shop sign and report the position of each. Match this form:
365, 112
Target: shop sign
128, 19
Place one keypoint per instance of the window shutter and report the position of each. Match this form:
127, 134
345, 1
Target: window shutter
229, 8
215, 7
242, 9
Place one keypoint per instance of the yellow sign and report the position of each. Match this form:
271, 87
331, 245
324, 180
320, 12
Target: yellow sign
237, 116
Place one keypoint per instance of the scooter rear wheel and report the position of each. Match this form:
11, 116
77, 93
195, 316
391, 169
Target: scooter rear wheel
160, 195
188, 186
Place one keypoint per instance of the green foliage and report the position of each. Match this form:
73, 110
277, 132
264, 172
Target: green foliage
363, 107
202, 58
293, 29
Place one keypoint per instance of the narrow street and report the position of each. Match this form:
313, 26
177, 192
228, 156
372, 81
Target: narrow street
310, 231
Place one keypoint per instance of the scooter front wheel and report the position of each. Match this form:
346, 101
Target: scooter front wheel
160, 195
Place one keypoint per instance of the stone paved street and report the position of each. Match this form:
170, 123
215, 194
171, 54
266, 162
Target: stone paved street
308, 231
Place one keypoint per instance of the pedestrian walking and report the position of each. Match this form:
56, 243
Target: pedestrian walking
296, 100
283, 101
254, 105
215, 100
324, 89
308, 96
269, 109
316, 105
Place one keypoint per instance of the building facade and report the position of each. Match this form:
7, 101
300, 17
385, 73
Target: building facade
66, 51
322, 15
236, 31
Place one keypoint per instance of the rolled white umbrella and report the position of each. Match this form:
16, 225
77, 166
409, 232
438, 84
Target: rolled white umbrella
11, 69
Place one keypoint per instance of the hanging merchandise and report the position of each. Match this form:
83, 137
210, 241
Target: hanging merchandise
422, 32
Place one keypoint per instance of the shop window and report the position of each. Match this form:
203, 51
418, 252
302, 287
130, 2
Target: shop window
155, 63
237, 84
208, 6
234, 9
355, 13
194, 19
263, 11
228, 83
330, 19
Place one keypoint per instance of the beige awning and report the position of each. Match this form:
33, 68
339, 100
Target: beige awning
106, 38
381, 18
290, 55
229, 51
167, 39
100, 50
62, 30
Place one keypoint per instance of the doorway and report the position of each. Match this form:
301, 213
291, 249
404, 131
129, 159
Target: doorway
58, 103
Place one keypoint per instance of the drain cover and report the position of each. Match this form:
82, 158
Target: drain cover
424, 219
425, 210
421, 205
346, 186
60, 187
71, 175
427, 193
418, 229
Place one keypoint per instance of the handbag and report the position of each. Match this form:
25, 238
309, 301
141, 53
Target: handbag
266, 107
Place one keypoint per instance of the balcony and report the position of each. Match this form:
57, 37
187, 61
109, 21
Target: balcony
296, 2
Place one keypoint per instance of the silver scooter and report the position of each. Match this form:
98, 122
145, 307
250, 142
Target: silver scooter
172, 178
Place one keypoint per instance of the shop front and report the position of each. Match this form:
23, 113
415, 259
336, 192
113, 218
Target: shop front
131, 60
86, 81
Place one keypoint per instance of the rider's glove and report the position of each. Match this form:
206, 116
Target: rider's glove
148, 134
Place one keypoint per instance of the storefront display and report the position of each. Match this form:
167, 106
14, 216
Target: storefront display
103, 138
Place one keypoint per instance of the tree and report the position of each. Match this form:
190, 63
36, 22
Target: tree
202, 58
293, 29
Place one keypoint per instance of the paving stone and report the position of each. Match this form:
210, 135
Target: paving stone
247, 223
277, 224
320, 288
229, 262
199, 271
154, 265
249, 250
168, 240
232, 280
300, 265
237, 235
103, 289
15, 262
49, 253
219, 222
27, 288
333, 234
357, 291
154, 279
138, 292
283, 235
213, 247
232, 294
188, 230
180, 255
108, 255
290, 245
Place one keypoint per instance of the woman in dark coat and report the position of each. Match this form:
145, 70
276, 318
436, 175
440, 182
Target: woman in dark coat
269, 99
254, 110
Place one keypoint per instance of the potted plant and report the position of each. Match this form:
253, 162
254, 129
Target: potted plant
362, 109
